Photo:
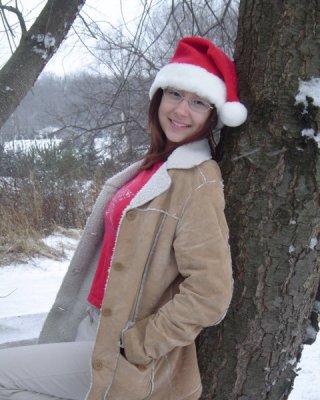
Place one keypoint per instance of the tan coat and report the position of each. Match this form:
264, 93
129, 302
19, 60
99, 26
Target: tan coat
170, 276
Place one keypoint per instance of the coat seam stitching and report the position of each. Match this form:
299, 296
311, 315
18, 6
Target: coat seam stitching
202, 173
173, 215
146, 269
190, 394
190, 195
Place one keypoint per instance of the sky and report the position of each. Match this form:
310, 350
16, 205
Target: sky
72, 55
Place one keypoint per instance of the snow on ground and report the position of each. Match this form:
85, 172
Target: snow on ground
26, 144
306, 385
27, 292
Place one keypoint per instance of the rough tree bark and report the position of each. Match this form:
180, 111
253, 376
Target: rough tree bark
34, 51
271, 177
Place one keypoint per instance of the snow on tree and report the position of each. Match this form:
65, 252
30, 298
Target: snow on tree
36, 47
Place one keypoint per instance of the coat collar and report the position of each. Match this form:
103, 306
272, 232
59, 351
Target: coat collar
189, 155
184, 157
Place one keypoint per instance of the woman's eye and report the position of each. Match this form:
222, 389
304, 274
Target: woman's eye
199, 103
175, 94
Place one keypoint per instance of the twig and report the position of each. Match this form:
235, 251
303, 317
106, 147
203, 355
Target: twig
9, 294
18, 14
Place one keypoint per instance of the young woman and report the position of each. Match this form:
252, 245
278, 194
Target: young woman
154, 260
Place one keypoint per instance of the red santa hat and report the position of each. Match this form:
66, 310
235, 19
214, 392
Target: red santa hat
198, 66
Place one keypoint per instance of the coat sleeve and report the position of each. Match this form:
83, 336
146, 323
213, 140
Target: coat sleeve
203, 258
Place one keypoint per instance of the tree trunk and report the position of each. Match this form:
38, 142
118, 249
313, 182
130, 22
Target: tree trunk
271, 175
34, 51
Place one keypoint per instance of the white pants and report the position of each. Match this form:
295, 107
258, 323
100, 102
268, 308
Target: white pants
49, 371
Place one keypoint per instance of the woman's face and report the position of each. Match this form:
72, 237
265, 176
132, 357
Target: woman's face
182, 114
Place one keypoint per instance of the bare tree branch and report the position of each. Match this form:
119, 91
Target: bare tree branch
18, 13
87, 26
7, 295
7, 28
33, 53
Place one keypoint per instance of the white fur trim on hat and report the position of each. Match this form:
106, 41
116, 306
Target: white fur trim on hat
193, 79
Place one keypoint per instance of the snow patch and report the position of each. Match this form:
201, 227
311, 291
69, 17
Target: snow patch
49, 140
47, 41
41, 52
291, 248
309, 88
26, 144
15, 328
292, 361
311, 134
313, 243
33, 286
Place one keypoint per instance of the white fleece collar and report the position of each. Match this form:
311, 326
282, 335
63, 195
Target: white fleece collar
184, 157
189, 155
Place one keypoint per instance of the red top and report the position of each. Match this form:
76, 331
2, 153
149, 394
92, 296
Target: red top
114, 210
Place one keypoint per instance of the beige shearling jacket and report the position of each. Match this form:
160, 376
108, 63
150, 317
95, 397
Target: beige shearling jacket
170, 277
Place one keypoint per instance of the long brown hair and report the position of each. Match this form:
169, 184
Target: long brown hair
160, 148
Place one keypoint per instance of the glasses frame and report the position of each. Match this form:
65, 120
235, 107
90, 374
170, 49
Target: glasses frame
177, 101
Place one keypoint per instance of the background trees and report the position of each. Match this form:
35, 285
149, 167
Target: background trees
36, 47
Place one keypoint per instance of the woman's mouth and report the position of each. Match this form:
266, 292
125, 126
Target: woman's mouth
179, 125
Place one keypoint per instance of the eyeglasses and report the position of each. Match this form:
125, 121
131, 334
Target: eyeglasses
197, 104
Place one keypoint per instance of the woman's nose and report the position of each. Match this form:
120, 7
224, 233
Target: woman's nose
182, 107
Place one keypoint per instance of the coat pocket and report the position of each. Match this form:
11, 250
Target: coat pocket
131, 382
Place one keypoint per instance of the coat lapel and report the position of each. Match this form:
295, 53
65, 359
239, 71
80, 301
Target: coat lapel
122, 177
190, 155
157, 184
184, 157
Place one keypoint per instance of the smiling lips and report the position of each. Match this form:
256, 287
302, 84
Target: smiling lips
179, 125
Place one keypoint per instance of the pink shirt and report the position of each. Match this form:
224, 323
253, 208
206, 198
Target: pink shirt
114, 210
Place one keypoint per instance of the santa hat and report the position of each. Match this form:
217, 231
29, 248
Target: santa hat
198, 66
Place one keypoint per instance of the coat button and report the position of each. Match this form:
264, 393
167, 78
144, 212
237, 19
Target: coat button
97, 364
118, 266
142, 367
106, 312
131, 215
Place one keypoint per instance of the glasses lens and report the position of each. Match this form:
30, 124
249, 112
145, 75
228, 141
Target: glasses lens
173, 95
196, 104
199, 105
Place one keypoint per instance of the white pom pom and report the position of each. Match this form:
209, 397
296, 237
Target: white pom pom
233, 113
